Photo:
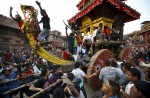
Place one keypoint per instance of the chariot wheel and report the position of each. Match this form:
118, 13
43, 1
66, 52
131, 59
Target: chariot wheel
96, 64
125, 52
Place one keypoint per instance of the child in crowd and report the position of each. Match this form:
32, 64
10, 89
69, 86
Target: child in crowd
110, 89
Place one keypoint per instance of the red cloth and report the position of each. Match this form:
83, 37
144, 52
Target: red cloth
35, 37
107, 32
64, 55
20, 24
79, 39
28, 72
37, 33
80, 4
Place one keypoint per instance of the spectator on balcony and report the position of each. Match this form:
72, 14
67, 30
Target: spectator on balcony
107, 33
100, 33
115, 33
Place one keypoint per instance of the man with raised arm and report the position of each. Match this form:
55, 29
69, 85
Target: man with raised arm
17, 18
46, 24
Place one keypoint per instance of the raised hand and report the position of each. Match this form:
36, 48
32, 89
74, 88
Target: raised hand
66, 28
38, 3
41, 90
11, 8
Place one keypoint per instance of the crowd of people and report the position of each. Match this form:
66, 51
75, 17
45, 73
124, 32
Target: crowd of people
23, 66
76, 42
129, 78
40, 35
79, 44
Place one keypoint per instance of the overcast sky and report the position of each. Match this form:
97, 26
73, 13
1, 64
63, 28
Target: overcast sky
59, 10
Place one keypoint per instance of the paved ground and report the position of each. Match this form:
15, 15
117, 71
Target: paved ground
88, 90
91, 93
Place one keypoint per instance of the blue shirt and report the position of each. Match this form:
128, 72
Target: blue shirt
123, 80
70, 41
14, 83
109, 73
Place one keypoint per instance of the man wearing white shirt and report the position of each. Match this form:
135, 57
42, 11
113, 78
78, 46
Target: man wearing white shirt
94, 34
79, 74
87, 40
88, 36
35, 69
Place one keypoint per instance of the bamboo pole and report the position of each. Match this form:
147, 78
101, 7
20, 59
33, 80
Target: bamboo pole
22, 86
10, 80
36, 94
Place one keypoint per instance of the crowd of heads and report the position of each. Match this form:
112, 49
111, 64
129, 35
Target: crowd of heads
128, 77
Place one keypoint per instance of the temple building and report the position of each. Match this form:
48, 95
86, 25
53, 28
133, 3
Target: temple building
144, 33
107, 12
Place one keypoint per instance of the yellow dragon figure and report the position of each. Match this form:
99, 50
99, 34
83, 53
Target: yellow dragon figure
29, 27
29, 14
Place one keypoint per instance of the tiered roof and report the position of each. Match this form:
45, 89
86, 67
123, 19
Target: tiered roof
117, 3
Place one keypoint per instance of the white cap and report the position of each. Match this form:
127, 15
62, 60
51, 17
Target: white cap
142, 64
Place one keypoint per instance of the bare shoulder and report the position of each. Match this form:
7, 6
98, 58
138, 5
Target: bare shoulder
134, 92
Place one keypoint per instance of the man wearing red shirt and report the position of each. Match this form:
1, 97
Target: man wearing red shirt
17, 18
107, 33
8, 56
64, 54
20, 22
